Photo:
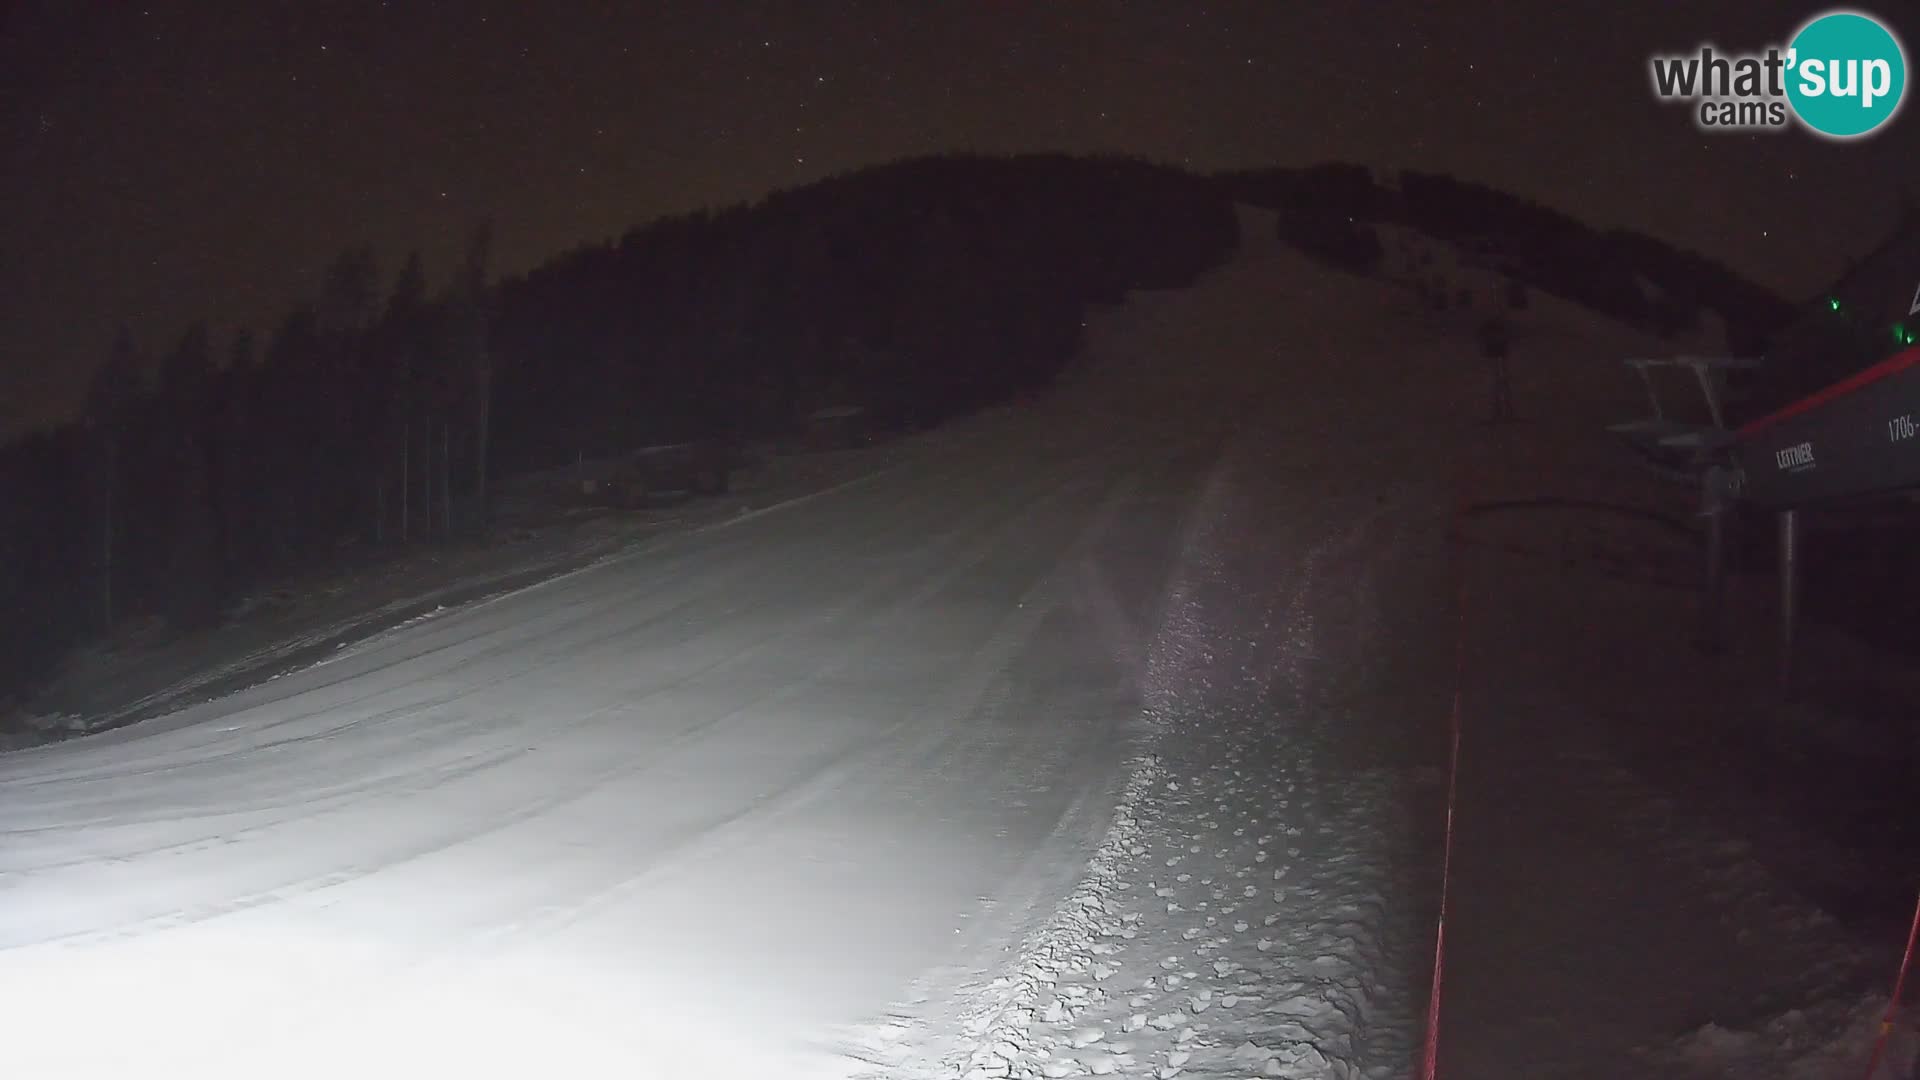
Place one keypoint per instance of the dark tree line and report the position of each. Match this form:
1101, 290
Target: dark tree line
377, 414
916, 290
188, 478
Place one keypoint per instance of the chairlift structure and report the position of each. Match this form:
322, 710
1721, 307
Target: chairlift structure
1845, 435
1856, 438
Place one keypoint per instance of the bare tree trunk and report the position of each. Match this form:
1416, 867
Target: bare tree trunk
406, 478
479, 249
438, 461
106, 544
446, 480
482, 421
1502, 411
427, 477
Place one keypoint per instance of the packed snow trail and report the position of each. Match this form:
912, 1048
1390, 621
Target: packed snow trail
1247, 919
1248, 913
683, 814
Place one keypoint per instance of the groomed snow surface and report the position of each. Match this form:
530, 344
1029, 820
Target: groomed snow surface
1098, 736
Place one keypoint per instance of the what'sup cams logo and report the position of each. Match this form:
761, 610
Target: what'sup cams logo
1841, 76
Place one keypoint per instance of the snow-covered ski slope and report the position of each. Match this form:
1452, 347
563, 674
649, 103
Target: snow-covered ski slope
1099, 736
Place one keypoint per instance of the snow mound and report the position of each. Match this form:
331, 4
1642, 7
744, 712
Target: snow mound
1834, 1039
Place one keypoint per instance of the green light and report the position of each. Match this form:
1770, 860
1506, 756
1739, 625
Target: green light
1900, 334
1833, 303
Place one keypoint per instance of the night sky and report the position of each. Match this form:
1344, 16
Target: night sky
166, 162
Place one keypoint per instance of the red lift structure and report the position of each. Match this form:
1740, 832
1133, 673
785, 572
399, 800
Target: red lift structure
1856, 438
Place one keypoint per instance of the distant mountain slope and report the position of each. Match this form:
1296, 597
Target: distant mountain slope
1626, 275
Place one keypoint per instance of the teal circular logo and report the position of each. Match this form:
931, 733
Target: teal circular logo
1846, 74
